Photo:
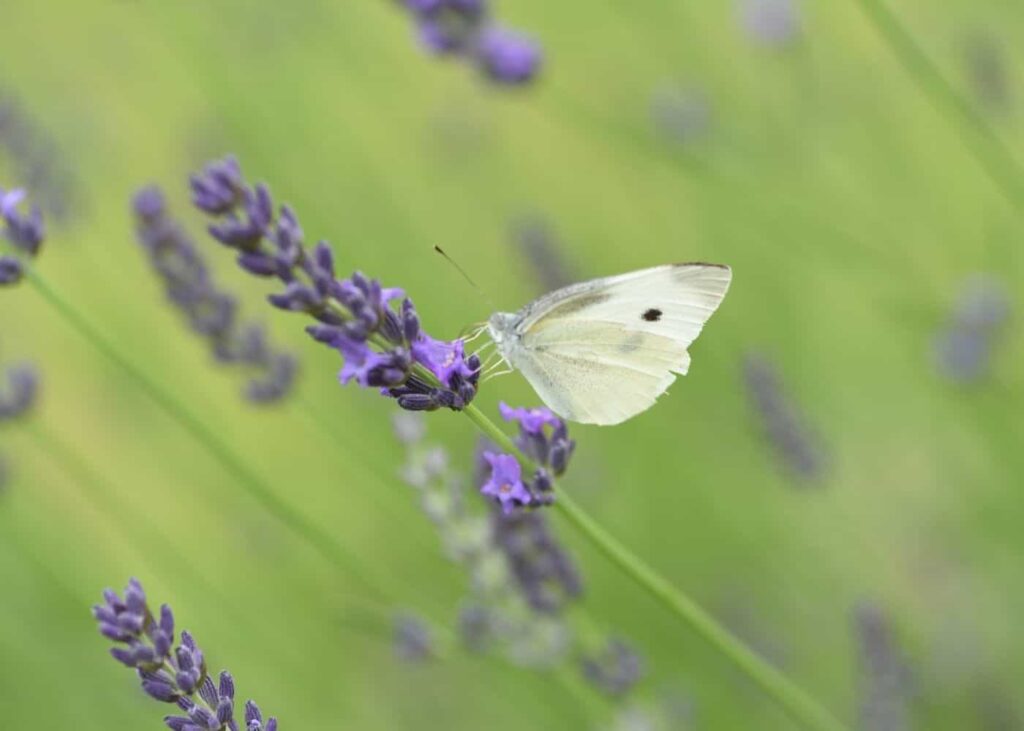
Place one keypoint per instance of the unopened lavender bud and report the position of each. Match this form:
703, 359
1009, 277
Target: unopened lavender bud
160, 691
227, 685
418, 402
208, 692
259, 264
225, 710
123, 656
161, 644
178, 723
203, 718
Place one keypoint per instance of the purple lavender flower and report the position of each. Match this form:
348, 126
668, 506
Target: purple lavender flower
211, 312
532, 421
507, 56
144, 641
505, 484
463, 28
383, 346
544, 438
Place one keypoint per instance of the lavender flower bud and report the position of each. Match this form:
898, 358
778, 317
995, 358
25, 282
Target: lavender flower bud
160, 690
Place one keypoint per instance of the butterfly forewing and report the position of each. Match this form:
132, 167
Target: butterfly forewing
602, 351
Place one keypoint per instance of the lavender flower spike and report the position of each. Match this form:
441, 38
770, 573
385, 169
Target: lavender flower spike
382, 344
16, 399
144, 641
211, 312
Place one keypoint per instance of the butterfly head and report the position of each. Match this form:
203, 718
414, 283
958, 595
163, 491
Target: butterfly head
501, 326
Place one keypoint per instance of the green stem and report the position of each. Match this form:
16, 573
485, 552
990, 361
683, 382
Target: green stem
317, 538
794, 699
982, 141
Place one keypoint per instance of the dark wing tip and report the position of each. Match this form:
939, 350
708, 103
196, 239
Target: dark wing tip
702, 264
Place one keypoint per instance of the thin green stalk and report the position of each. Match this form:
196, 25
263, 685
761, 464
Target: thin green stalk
981, 140
317, 538
794, 699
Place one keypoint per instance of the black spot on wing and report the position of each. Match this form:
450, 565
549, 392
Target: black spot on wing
652, 315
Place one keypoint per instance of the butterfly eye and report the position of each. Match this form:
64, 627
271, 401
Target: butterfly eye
652, 315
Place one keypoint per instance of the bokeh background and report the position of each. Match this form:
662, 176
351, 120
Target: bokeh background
838, 479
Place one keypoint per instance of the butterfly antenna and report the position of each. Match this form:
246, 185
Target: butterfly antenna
465, 276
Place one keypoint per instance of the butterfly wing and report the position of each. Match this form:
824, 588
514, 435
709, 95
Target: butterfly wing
602, 351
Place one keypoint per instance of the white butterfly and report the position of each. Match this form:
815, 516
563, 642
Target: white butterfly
602, 351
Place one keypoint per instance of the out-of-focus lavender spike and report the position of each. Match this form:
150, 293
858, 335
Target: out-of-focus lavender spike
497, 614
412, 642
534, 237
20, 392
682, 115
465, 29
771, 23
189, 286
885, 678
380, 342
783, 425
963, 348
37, 160
169, 675
544, 572
988, 77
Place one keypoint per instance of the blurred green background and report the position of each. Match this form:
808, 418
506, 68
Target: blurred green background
848, 204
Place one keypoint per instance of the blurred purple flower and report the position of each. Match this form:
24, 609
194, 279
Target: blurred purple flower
772, 23
464, 28
144, 640
507, 56
963, 348
383, 346
211, 312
